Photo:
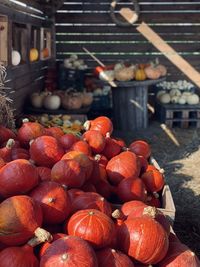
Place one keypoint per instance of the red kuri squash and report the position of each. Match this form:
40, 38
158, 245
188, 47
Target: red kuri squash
131, 189
54, 201
69, 251
91, 200
144, 239
93, 226
102, 124
68, 172
46, 151
108, 257
96, 140
124, 165
20, 219
141, 148
17, 177
19, 256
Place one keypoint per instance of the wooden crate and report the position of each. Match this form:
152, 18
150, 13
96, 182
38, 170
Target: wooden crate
183, 116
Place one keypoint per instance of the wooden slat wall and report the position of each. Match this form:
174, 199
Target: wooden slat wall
88, 23
29, 77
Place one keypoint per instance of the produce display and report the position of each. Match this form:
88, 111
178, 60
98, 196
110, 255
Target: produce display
67, 123
69, 99
59, 192
123, 72
74, 63
180, 92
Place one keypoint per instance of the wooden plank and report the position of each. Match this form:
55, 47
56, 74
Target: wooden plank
175, 28
170, 53
143, 5
4, 40
125, 48
123, 37
149, 17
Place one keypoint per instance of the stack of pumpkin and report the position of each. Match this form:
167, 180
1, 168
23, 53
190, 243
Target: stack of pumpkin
126, 72
69, 99
58, 182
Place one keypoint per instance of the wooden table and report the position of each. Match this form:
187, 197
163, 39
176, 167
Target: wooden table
130, 104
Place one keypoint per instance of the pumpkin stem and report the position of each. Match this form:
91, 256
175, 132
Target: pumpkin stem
150, 211
125, 148
25, 120
43, 235
107, 135
33, 242
86, 125
117, 214
97, 157
91, 213
51, 199
10, 143
64, 257
156, 195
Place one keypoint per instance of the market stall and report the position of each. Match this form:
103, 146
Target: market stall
81, 180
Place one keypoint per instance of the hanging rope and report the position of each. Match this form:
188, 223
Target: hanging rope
120, 22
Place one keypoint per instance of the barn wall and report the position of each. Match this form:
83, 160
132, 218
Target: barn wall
88, 23
26, 77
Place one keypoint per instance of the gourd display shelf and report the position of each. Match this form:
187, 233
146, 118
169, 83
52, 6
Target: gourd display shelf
130, 103
32, 110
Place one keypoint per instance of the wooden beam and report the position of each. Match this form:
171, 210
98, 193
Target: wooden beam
165, 49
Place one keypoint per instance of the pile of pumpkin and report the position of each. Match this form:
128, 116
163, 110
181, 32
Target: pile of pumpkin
55, 189
69, 99
126, 72
180, 92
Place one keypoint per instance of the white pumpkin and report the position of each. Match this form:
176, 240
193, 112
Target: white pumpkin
52, 102
165, 98
186, 94
175, 92
159, 93
16, 58
174, 99
37, 100
193, 99
182, 100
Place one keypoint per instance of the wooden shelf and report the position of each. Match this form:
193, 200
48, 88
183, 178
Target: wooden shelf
4, 39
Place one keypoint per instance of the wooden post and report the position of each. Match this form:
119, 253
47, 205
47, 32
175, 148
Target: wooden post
166, 49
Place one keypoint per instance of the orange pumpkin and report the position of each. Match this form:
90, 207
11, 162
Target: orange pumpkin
34, 55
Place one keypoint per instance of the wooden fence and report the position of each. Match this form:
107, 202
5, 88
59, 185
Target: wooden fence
88, 23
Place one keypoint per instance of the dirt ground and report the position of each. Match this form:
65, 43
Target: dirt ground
180, 158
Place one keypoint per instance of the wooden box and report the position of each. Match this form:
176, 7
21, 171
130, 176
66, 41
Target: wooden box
168, 207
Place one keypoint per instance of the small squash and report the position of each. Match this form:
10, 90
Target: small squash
52, 102
34, 55
152, 73
193, 99
124, 74
140, 75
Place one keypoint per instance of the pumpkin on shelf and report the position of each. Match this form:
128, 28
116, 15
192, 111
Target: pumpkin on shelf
140, 74
16, 58
45, 53
33, 55
72, 100
52, 102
